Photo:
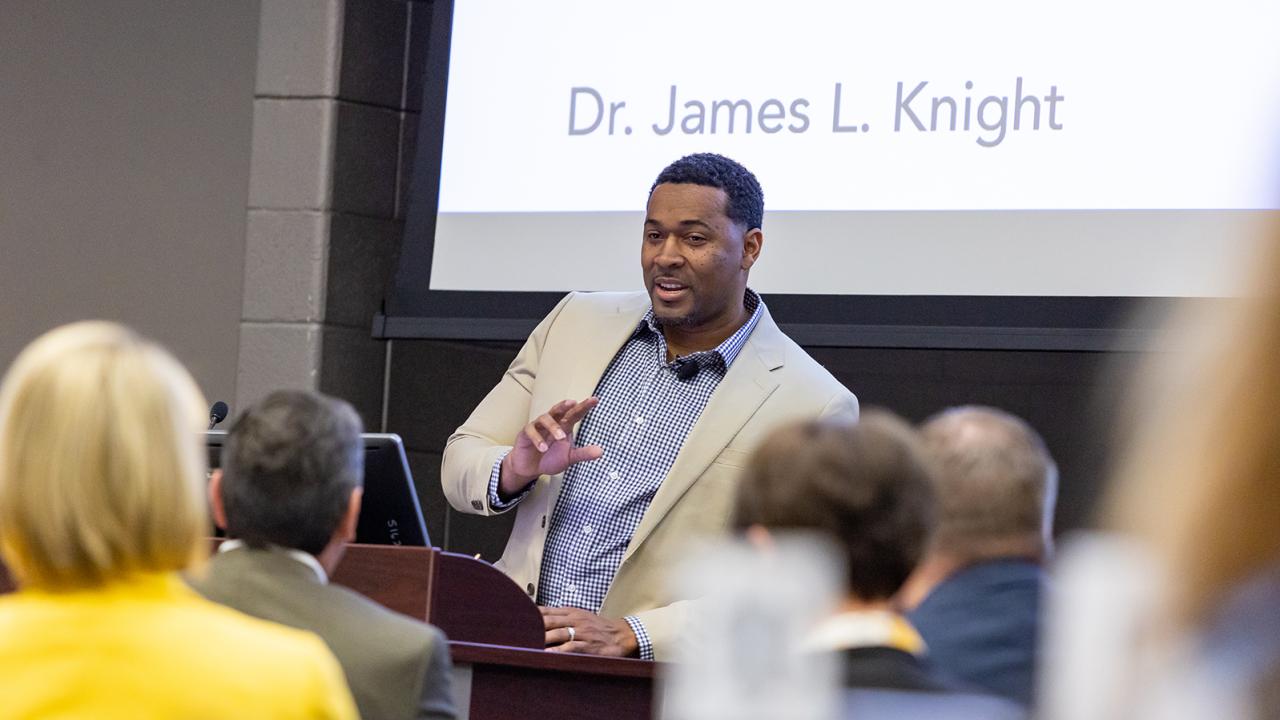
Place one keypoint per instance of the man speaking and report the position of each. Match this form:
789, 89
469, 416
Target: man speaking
680, 383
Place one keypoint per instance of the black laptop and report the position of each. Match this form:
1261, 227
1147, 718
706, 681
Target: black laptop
389, 512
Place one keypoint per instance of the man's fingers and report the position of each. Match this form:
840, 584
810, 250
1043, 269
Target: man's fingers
558, 410
573, 630
534, 434
587, 453
551, 622
557, 636
578, 411
576, 646
558, 611
552, 427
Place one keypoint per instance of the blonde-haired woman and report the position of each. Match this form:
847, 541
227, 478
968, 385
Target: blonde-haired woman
101, 505
1177, 613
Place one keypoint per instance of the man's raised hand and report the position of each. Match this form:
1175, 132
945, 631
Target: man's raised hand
545, 446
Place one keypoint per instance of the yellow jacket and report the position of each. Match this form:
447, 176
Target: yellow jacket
149, 648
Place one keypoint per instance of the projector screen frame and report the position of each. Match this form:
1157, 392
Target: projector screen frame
412, 310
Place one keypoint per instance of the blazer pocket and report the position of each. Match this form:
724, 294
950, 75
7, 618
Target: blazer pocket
733, 458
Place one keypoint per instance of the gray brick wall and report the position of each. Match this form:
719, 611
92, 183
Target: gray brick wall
334, 112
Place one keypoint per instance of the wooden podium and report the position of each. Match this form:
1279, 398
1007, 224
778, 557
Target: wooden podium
496, 638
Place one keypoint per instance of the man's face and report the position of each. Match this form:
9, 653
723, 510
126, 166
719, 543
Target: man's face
695, 259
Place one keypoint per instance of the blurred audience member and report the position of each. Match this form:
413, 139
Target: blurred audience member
866, 488
975, 598
1188, 587
101, 504
289, 493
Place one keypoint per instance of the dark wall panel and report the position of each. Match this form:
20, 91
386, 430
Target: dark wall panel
434, 386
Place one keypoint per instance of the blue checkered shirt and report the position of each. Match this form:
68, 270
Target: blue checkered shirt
644, 415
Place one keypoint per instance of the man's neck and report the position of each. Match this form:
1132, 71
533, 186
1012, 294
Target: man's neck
686, 340
331, 555
929, 574
938, 567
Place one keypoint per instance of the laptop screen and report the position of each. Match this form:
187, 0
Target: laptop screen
389, 512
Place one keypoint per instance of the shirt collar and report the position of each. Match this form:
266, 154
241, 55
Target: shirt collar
305, 558
726, 351
870, 628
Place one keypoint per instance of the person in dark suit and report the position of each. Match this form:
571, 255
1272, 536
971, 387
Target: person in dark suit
867, 488
976, 596
289, 494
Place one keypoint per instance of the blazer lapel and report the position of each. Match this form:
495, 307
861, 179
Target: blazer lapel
599, 344
744, 388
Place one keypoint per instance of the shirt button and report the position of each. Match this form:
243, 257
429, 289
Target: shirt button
571, 588
614, 475
586, 530
529, 589
639, 420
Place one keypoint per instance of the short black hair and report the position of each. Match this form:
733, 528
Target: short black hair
289, 465
746, 200
866, 487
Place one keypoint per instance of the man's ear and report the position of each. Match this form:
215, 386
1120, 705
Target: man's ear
759, 537
752, 242
215, 499
351, 520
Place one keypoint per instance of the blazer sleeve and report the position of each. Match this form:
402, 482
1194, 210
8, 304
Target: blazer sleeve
435, 702
843, 405
666, 628
474, 448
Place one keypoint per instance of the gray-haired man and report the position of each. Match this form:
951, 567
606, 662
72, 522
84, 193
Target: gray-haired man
977, 594
289, 494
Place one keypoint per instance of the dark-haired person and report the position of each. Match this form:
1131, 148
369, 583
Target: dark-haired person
867, 489
680, 382
976, 596
289, 493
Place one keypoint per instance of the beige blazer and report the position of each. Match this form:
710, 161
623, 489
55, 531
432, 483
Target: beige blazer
771, 382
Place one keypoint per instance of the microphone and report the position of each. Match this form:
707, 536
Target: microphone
217, 413
686, 369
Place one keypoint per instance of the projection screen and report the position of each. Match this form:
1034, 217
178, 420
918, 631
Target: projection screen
930, 167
